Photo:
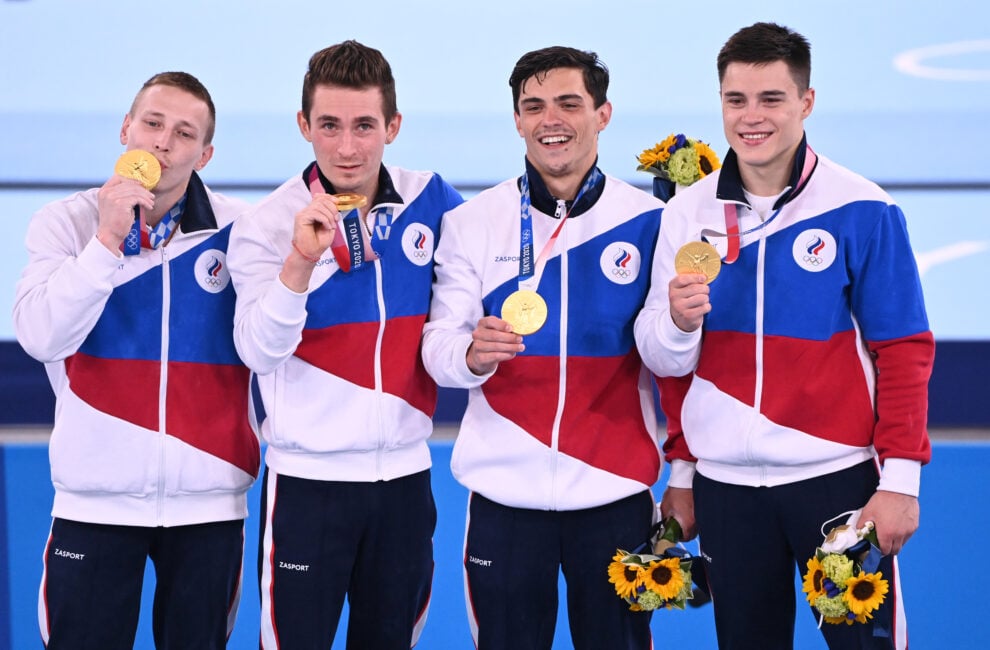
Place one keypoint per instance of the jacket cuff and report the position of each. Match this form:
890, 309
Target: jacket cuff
901, 475
676, 339
465, 377
284, 300
681, 474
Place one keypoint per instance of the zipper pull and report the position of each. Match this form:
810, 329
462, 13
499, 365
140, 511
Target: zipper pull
561, 209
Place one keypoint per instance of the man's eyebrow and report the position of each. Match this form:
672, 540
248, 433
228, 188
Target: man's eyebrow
334, 118
763, 93
186, 124
158, 115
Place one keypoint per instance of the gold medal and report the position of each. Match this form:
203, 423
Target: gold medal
525, 310
141, 166
698, 257
347, 202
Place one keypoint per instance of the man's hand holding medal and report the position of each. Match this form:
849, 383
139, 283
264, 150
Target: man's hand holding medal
492, 342
697, 263
124, 197
315, 230
312, 233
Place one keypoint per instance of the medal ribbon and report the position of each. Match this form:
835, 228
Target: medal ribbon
132, 242
160, 233
734, 237
140, 236
526, 264
352, 245
384, 218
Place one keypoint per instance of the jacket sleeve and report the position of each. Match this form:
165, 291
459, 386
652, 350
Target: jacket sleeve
66, 283
666, 349
268, 317
889, 307
455, 308
676, 452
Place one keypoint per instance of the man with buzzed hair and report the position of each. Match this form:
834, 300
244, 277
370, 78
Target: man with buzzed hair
153, 449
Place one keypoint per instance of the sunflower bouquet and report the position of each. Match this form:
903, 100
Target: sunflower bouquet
840, 582
649, 581
678, 160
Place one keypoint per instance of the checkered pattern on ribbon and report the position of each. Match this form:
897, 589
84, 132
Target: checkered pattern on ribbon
526, 263
589, 183
161, 232
525, 203
383, 218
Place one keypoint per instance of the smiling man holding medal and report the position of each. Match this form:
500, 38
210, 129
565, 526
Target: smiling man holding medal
800, 367
539, 280
333, 272
127, 300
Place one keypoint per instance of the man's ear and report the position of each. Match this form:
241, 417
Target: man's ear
392, 129
303, 126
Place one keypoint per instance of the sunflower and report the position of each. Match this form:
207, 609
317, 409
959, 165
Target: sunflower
836, 620
649, 158
625, 577
849, 618
865, 592
707, 159
668, 146
812, 585
664, 577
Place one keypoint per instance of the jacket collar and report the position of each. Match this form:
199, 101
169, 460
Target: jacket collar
546, 203
198, 213
730, 187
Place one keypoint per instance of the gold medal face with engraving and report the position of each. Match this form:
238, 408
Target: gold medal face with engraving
346, 202
525, 310
698, 257
141, 166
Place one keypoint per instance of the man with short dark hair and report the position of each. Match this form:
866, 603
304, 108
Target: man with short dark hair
539, 280
333, 273
807, 357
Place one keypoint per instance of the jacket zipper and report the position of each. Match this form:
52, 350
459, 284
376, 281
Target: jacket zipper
758, 357
560, 212
380, 296
163, 383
